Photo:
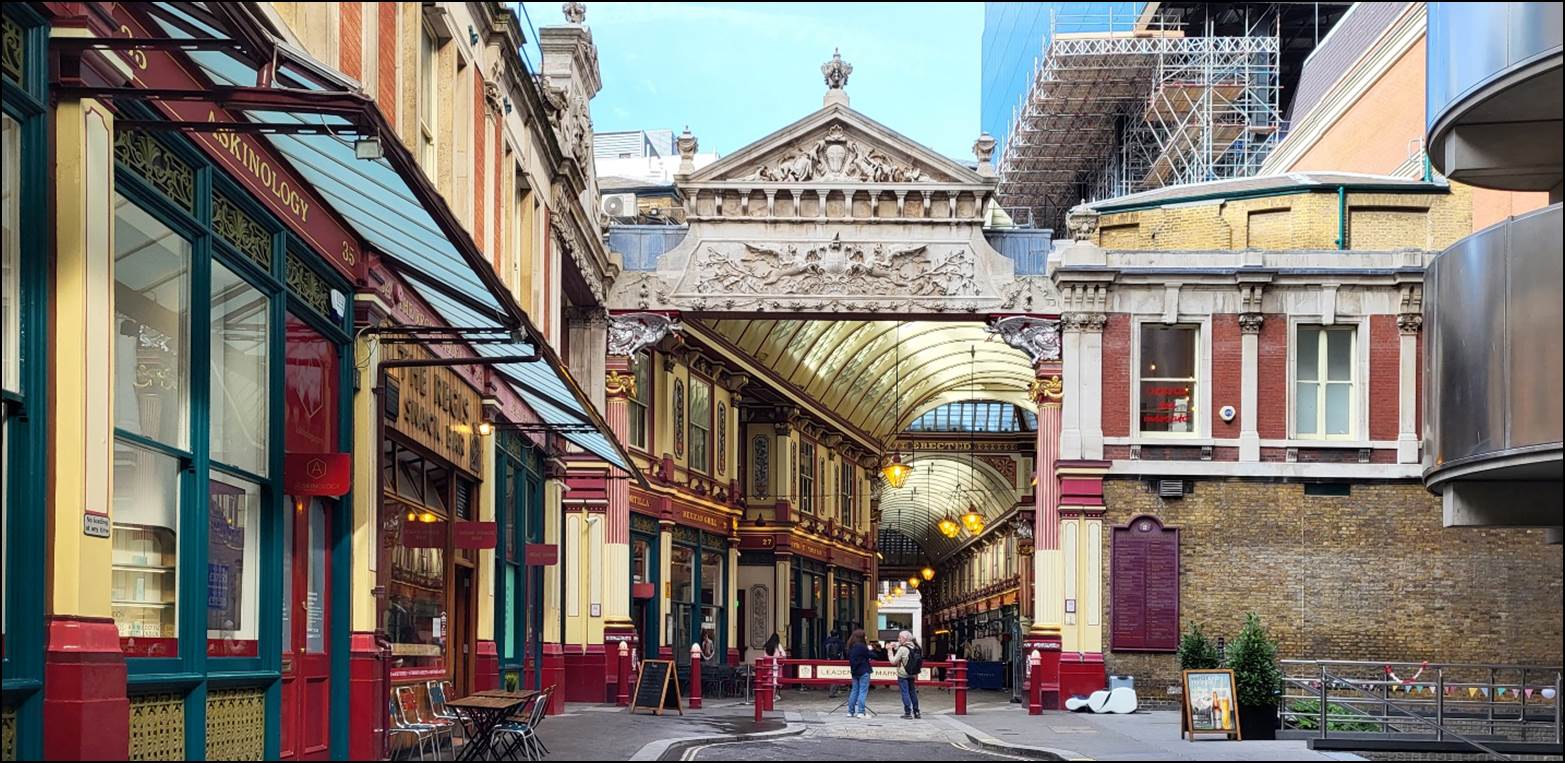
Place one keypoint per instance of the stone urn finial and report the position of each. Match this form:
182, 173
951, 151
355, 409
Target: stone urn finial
575, 13
983, 148
836, 73
687, 145
1082, 221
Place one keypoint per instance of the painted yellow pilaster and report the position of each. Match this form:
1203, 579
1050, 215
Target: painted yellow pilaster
486, 502
782, 602
831, 596
733, 598
553, 491
366, 498
665, 574
1090, 607
82, 377
1070, 551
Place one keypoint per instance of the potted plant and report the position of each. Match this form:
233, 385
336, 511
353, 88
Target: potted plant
1252, 656
1196, 651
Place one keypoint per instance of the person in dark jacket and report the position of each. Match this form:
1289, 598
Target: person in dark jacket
859, 668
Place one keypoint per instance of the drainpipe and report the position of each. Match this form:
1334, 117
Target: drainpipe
1342, 217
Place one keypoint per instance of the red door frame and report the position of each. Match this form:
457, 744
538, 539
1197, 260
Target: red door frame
307, 675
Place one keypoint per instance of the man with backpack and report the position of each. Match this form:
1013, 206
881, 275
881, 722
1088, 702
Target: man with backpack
909, 659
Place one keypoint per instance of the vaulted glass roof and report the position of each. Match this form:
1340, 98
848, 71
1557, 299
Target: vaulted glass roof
877, 376
943, 485
988, 416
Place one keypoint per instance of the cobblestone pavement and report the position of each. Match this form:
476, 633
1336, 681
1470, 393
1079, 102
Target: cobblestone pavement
824, 735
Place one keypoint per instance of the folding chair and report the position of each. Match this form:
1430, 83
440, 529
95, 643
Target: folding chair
407, 699
437, 707
524, 733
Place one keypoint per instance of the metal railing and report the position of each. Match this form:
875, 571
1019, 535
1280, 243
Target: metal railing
1475, 704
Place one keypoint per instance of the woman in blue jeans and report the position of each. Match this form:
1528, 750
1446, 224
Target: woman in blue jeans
859, 668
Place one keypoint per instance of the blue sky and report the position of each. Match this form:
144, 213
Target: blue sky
735, 72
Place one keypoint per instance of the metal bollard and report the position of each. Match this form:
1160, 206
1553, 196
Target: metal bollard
622, 697
762, 680
695, 676
959, 675
1035, 683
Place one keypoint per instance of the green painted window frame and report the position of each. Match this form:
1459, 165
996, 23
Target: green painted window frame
192, 672
22, 665
528, 504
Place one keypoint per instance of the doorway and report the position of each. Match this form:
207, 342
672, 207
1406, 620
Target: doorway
461, 632
305, 726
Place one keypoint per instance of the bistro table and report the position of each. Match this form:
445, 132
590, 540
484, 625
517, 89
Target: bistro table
479, 713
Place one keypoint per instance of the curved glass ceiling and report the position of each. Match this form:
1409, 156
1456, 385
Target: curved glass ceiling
987, 416
943, 485
852, 368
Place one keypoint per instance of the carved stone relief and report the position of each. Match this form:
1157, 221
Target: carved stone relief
631, 333
839, 269
1038, 337
835, 156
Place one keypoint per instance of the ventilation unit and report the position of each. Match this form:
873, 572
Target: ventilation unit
1170, 488
619, 205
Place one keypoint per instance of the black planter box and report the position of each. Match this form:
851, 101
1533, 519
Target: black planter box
1258, 722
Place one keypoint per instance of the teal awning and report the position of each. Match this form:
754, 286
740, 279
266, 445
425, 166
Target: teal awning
382, 205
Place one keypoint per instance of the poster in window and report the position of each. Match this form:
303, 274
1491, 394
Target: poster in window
225, 557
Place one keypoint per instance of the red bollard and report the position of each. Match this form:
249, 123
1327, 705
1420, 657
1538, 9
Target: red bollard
1035, 689
761, 678
959, 675
695, 676
622, 697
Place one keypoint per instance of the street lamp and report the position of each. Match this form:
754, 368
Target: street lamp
972, 520
949, 527
913, 581
928, 573
896, 472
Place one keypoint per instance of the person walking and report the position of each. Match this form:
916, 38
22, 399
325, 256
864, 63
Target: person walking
909, 660
859, 669
832, 649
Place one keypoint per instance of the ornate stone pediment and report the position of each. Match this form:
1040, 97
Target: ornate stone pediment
836, 145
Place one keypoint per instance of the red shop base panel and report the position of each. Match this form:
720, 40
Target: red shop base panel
367, 697
586, 675
486, 671
86, 714
1081, 674
554, 675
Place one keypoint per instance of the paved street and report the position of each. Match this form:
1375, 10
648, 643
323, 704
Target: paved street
811, 726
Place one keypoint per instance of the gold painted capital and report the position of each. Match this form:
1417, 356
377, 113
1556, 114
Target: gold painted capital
619, 384
1047, 390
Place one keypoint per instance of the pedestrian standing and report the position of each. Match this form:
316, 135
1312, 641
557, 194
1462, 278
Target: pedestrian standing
859, 669
775, 653
909, 660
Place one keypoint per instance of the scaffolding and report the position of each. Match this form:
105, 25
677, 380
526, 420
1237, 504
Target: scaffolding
1139, 105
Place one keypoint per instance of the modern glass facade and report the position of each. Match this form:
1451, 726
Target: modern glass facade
1015, 35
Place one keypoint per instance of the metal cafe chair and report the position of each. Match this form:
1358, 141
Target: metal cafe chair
407, 699
400, 726
524, 734
438, 692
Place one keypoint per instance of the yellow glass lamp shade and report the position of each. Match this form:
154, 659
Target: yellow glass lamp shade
913, 581
972, 520
896, 472
928, 573
949, 527
428, 516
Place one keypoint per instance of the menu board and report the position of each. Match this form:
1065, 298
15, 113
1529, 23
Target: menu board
1211, 706
657, 687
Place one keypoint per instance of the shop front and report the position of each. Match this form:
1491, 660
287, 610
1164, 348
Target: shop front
645, 578
698, 607
521, 557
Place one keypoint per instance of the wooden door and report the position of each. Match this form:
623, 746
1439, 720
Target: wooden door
306, 706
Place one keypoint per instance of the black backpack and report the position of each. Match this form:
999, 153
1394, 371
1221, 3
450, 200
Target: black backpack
915, 661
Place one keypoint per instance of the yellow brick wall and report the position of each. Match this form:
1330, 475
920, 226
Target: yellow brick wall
1384, 221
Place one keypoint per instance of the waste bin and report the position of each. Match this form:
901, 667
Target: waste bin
1128, 682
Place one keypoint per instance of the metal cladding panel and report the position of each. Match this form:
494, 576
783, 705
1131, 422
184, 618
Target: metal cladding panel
1493, 361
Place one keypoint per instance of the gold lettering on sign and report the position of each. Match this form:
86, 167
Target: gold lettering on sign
437, 409
135, 56
261, 170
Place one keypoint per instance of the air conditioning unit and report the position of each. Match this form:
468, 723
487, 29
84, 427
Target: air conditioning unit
1170, 488
619, 204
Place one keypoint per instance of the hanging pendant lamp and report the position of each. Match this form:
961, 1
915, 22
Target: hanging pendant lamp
896, 472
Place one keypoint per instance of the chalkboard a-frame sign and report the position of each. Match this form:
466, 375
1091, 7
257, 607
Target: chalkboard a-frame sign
657, 687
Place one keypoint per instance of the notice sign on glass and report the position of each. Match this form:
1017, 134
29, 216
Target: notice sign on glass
1210, 706
225, 556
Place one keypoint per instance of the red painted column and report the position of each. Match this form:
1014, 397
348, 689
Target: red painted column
86, 714
1048, 390
619, 382
486, 673
554, 675
695, 676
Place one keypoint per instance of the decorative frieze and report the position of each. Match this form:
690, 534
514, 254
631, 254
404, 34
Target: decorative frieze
1038, 337
1250, 323
1410, 323
633, 332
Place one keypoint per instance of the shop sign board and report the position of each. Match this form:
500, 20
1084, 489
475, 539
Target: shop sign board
542, 554
474, 535
312, 474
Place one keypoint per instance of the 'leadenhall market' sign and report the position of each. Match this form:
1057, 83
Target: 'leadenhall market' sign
247, 157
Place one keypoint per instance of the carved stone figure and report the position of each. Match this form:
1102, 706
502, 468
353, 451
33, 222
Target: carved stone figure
575, 13
1082, 222
633, 332
838, 268
687, 151
835, 156
1038, 337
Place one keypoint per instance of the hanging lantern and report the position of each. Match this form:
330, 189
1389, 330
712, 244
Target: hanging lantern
913, 582
949, 527
972, 520
896, 472
899, 590
928, 573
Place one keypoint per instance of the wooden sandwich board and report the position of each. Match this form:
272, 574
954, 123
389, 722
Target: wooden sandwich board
657, 687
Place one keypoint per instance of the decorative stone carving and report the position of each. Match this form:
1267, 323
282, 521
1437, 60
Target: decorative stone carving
839, 268
1082, 221
1250, 323
633, 332
575, 13
836, 71
835, 156
619, 384
1093, 322
983, 148
570, 239
1038, 337
1048, 390
687, 151
1410, 323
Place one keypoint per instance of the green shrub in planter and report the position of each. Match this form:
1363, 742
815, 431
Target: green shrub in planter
1196, 651
1252, 656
